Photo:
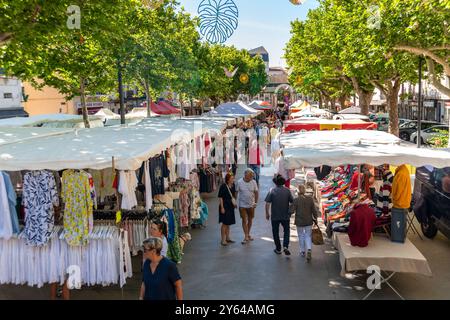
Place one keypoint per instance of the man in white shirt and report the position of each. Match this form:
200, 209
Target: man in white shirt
247, 193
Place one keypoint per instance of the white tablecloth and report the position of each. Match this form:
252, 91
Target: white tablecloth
389, 256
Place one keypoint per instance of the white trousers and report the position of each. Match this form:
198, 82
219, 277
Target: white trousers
304, 238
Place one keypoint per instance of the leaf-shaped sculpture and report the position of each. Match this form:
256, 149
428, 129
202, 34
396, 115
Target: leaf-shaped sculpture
218, 19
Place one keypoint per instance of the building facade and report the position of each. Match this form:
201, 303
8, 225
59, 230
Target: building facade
48, 100
11, 97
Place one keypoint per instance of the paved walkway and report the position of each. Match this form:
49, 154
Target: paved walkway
253, 271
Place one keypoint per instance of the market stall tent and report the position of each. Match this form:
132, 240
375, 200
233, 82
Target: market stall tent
335, 148
171, 109
260, 105
9, 135
56, 120
236, 109
351, 110
107, 114
94, 148
312, 124
295, 108
310, 111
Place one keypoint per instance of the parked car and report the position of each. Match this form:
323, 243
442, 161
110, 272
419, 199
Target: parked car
409, 127
431, 200
428, 134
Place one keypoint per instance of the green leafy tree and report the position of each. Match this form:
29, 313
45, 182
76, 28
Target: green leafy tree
77, 62
424, 30
361, 36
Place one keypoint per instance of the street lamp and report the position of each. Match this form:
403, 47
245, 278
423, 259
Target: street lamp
419, 106
121, 97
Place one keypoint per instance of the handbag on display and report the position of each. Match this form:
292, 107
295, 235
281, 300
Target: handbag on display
317, 237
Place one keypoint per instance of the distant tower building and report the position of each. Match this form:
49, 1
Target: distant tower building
262, 52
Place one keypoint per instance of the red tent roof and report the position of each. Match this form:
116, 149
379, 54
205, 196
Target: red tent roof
157, 108
169, 107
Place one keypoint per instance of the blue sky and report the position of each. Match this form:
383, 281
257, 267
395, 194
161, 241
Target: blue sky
263, 23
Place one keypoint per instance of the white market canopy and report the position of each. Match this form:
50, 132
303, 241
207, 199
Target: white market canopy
107, 114
351, 110
310, 111
56, 120
94, 148
238, 109
9, 135
297, 104
139, 112
334, 148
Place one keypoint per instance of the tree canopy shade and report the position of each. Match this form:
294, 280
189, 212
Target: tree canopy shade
156, 47
74, 61
210, 79
424, 30
354, 41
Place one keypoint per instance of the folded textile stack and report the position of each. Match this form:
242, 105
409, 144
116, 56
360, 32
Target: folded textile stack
335, 188
338, 199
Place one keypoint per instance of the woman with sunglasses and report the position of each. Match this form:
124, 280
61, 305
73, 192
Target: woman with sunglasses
161, 280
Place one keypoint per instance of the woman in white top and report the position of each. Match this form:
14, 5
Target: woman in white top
158, 230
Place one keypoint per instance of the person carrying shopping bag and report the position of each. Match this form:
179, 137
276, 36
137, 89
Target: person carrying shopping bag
306, 214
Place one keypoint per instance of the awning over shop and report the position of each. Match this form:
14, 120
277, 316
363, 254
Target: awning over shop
94, 148
6, 113
336, 148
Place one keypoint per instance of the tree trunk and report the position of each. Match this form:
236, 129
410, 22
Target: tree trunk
342, 100
365, 98
83, 104
192, 106
333, 105
392, 104
327, 102
320, 101
148, 100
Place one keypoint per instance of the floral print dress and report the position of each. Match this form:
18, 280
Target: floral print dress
78, 209
40, 196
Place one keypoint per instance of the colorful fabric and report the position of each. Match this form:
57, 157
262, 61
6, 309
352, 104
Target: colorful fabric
39, 198
384, 202
12, 202
362, 221
78, 209
174, 252
401, 188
